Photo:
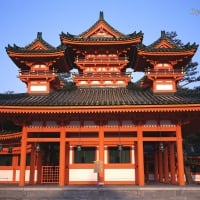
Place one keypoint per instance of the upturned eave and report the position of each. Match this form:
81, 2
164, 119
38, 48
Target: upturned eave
99, 109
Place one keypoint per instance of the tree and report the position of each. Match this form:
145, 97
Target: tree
191, 71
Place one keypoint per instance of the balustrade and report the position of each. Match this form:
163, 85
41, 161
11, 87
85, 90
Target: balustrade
101, 60
36, 72
101, 74
164, 71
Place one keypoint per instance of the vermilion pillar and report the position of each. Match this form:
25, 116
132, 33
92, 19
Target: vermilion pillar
136, 163
39, 167
172, 163
32, 164
160, 161
23, 156
179, 145
14, 165
67, 164
140, 156
62, 157
166, 165
156, 173
101, 153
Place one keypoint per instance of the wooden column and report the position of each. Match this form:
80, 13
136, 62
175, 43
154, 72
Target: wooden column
166, 165
172, 163
23, 156
62, 157
67, 164
136, 163
14, 166
39, 167
179, 145
101, 153
32, 164
140, 156
156, 172
160, 163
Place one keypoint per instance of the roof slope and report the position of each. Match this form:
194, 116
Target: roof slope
101, 30
98, 96
39, 45
165, 44
38, 51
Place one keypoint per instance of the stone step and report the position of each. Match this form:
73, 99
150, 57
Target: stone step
100, 193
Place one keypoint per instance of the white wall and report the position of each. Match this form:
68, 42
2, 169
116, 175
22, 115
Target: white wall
119, 175
82, 175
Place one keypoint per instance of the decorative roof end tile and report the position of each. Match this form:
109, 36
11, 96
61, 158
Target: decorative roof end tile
101, 17
39, 35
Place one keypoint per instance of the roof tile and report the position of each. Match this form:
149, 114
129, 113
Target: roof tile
97, 96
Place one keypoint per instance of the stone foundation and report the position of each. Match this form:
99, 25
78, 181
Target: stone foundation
100, 193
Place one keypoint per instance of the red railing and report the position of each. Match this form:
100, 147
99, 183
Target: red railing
101, 60
100, 75
36, 73
164, 71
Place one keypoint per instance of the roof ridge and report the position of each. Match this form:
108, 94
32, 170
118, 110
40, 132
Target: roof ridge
40, 39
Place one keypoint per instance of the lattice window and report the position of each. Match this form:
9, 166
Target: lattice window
85, 155
119, 156
50, 174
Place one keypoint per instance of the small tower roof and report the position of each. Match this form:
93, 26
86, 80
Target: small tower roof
166, 44
33, 52
38, 45
101, 31
164, 49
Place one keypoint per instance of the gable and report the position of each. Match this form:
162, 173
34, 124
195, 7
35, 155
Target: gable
37, 46
101, 32
164, 44
101, 29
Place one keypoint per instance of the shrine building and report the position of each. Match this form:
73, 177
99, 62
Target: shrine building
94, 125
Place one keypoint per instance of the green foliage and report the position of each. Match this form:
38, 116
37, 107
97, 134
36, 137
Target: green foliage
173, 36
191, 71
191, 74
69, 86
66, 78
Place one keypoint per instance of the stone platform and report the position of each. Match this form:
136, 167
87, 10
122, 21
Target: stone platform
49, 192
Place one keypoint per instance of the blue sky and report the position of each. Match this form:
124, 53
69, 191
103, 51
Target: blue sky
20, 20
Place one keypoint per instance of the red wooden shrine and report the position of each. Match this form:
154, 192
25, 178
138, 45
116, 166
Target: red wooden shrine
101, 129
